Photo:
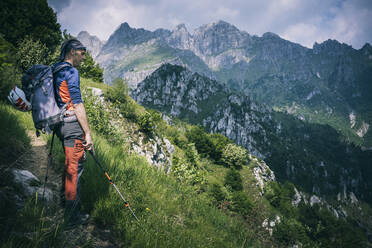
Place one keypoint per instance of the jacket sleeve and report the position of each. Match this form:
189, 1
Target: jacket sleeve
73, 82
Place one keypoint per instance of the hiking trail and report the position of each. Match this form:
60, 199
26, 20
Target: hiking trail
36, 162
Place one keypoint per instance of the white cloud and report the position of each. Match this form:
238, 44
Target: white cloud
303, 33
299, 21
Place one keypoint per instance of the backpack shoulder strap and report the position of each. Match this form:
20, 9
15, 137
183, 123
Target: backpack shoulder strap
60, 67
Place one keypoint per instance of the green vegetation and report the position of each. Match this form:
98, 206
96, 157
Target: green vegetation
234, 156
233, 179
14, 140
9, 73
31, 52
90, 69
21, 18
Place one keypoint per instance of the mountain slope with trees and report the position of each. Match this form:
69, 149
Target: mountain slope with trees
310, 155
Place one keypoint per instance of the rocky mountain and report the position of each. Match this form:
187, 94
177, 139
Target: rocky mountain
310, 155
328, 84
133, 54
93, 43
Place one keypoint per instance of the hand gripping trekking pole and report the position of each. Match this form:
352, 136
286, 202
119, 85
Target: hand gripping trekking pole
126, 203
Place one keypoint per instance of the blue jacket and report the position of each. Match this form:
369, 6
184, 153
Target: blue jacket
67, 86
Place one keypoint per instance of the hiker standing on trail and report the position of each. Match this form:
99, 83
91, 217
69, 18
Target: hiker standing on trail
74, 132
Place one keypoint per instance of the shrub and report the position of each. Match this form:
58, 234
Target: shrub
219, 143
146, 123
99, 119
280, 197
217, 193
234, 180
234, 156
289, 232
192, 155
118, 94
241, 203
31, 52
90, 69
200, 138
186, 172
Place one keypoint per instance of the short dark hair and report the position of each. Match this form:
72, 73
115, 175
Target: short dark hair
68, 45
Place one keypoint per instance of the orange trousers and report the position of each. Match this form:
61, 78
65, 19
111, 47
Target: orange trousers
73, 170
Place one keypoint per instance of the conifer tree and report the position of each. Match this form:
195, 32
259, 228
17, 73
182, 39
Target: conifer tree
21, 18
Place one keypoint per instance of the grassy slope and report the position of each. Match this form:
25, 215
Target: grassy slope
178, 215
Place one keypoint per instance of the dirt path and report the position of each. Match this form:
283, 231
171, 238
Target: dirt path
36, 162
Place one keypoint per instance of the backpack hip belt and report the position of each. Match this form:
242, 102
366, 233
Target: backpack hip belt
69, 116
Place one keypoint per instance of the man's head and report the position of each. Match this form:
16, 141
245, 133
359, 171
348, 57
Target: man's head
72, 51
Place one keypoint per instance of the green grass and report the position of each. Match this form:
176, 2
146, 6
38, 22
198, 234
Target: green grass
177, 215
13, 132
85, 83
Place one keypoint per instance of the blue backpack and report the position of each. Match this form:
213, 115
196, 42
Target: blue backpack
38, 86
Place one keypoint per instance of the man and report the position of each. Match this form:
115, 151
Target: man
74, 132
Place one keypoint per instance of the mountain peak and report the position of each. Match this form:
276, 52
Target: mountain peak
270, 35
124, 26
83, 33
367, 46
367, 49
181, 26
217, 26
332, 47
223, 23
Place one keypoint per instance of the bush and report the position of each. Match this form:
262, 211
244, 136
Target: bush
280, 197
234, 180
99, 119
192, 155
118, 94
219, 143
217, 193
241, 203
31, 52
146, 123
234, 156
186, 172
200, 138
89, 69
289, 232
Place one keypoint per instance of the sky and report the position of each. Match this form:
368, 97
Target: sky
301, 21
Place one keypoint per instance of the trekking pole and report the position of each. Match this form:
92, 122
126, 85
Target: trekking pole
50, 159
126, 203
